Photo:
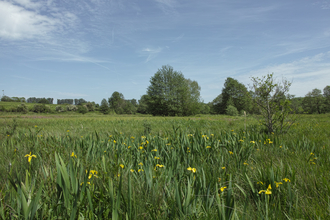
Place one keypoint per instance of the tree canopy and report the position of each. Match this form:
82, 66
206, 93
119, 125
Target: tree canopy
171, 94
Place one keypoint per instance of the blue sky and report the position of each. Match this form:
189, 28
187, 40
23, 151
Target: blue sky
91, 48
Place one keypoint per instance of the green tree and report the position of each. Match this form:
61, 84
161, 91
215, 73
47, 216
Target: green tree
171, 94
215, 105
104, 108
43, 101
237, 93
143, 105
326, 95
117, 102
313, 102
272, 100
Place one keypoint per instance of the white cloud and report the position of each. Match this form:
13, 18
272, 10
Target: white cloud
24, 21
19, 23
28, 4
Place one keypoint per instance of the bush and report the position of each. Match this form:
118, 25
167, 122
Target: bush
71, 108
82, 109
59, 108
231, 110
90, 106
22, 108
2, 108
41, 109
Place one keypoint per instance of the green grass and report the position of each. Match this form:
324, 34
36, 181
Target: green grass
230, 152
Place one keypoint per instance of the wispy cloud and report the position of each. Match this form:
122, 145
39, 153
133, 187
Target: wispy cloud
20, 77
167, 6
151, 53
306, 73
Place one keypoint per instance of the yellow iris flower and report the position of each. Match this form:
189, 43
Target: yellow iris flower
30, 157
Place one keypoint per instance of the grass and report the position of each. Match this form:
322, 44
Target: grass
133, 167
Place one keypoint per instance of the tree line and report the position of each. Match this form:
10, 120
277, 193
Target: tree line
171, 94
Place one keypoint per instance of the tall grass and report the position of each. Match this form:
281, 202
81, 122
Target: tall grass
207, 167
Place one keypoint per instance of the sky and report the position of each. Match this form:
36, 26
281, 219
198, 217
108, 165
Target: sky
71, 49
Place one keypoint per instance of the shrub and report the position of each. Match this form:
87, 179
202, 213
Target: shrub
231, 110
71, 108
22, 108
90, 106
41, 108
82, 109
59, 108
2, 108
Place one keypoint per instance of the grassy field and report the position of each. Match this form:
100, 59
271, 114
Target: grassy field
73, 166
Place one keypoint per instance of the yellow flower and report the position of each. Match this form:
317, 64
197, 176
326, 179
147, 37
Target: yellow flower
133, 137
83, 183
253, 142
157, 158
129, 147
208, 147
278, 183
67, 130
260, 183
73, 155
223, 168
132, 170
140, 147
122, 166
245, 163
223, 188
241, 140
280, 146
231, 152
286, 180
35, 126
141, 164
114, 141
140, 170
268, 192
312, 153
192, 169
159, 165
30, 156
155, 150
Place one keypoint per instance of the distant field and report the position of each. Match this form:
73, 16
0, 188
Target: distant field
143, 167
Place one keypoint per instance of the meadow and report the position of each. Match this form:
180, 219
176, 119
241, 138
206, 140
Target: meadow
93, 166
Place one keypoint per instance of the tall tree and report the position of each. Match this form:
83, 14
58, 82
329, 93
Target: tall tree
238, 93
117, 102
104, 108
170, 93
